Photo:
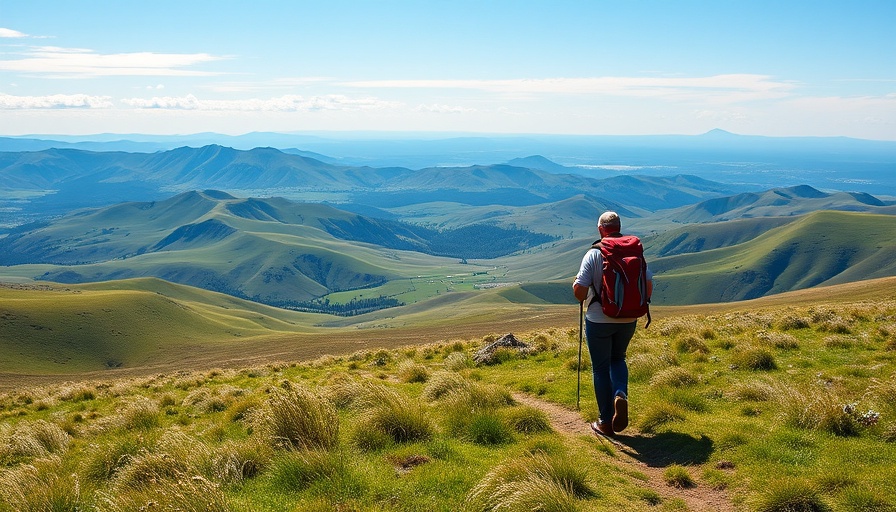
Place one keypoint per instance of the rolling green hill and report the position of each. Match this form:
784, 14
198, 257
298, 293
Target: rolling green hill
271, 250
821, 248
55, 329
775, 202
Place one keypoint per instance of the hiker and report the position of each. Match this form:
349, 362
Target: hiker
608, 336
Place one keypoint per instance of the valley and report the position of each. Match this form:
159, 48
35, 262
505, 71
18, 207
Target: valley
328, 251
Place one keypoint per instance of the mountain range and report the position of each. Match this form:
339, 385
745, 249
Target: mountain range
293, 230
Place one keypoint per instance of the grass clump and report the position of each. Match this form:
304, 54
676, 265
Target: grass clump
675, 377
298, 418
533, 482
387, 416
527, 420
658, 415
30, 440
409, 371
39, 487
790, 496
818, 409
678, 476
754, 358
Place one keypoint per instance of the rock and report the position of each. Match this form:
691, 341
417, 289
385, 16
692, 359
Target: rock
486, 354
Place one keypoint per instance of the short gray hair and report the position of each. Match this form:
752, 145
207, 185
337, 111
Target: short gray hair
609, 220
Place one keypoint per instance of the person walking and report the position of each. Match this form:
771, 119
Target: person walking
607, 336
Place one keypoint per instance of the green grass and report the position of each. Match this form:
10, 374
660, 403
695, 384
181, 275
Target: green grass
422, 428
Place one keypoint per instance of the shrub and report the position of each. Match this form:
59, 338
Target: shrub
533, 482
298, 418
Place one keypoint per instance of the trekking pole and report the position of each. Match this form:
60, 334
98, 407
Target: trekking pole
579, 366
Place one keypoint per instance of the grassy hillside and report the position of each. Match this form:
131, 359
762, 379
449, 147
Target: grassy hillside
742, 406
798, 200
124, 324
275, 251
819, 249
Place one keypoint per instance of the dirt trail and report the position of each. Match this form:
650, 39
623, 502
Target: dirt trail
641, 454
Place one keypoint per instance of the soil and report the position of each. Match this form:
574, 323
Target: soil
639, 452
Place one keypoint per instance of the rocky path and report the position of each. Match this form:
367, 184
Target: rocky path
639, 454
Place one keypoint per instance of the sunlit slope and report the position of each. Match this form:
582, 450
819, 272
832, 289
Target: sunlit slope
822, 248
798, 200
79, 328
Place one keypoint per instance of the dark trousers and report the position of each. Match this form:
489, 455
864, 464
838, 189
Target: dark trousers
607, 344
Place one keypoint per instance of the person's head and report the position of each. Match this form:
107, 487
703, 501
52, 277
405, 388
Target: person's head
609, 223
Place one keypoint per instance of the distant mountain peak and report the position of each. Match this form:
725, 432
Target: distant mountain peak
718, 132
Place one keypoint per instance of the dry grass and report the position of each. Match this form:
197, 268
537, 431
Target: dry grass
298, 418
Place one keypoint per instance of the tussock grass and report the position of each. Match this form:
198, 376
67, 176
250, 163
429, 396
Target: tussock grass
457, 361
444, 383
674, 376
816, 408
754, 358
691, 344
410, 371
678, 476
527, 420
534, 482
206, 439
753, 391
299, 418
186, 494
788, 495
42, 486
658, 415
30, 440
642, 367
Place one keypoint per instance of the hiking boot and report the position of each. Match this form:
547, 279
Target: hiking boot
602, 428
620, 417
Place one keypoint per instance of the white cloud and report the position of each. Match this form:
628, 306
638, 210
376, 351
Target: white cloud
287, 103
10, 33
732, 87
67, 62
55, 101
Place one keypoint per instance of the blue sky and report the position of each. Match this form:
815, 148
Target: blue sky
776, 68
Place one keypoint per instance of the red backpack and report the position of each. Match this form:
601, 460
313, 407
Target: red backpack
623, 290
